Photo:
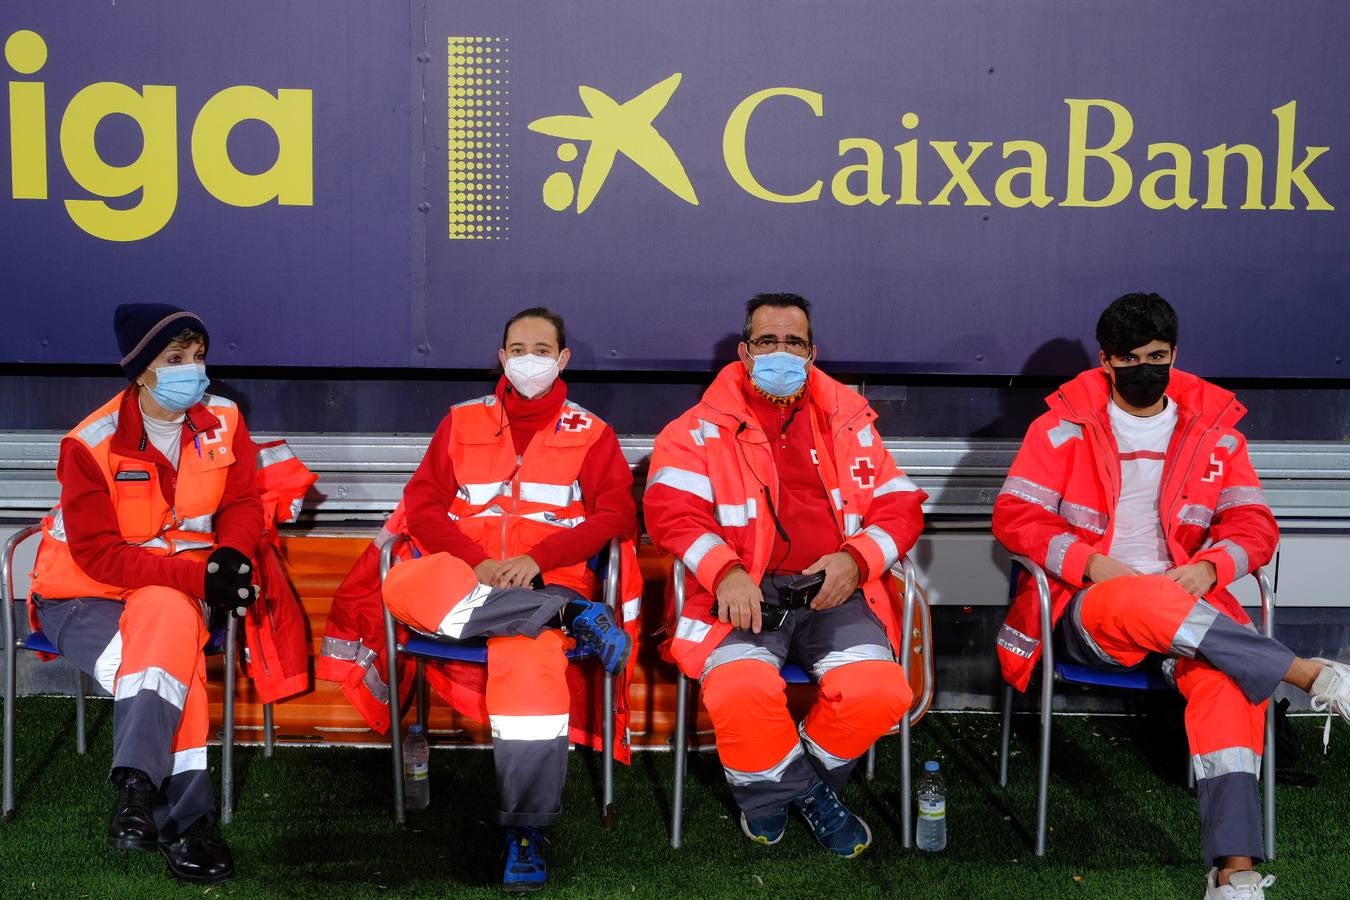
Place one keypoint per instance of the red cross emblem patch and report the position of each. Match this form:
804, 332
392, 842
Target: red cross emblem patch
575, 421
1215, 468
863, 472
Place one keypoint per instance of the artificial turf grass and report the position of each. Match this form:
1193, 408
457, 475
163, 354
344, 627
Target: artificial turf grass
317, 822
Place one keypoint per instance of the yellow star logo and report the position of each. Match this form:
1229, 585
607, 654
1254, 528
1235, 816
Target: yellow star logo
613, 128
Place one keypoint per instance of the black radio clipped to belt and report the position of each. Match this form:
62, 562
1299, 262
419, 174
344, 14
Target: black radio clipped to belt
796, 594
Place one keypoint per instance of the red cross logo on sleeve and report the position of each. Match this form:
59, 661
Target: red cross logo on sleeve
1215, 468
575, 421
863, 472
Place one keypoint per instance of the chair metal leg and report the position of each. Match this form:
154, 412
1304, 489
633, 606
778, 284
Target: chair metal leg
420, 686
608, 814
81, 685
1043, 772
681, 751
227, 727
395, 725
11, 692
870, 764
906, 790
267, 730
1268, 776
1190, 771
1006, 737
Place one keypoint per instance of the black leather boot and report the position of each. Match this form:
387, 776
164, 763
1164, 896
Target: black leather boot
132, 826
198, 855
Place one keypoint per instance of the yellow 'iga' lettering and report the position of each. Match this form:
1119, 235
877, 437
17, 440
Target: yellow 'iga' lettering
154, 172
290, 179
872, 166
1218, 156
26, 53
1122, 127
733, 144
1035, 171
1180, 174
1287, 176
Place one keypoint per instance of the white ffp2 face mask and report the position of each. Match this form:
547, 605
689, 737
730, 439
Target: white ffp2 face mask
531, 375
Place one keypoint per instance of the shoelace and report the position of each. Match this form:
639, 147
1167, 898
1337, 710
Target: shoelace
1320, 704
1249, 891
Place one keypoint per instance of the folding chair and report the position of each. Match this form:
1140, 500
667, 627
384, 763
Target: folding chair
222, 640
914, 605
425, 646
1052, 671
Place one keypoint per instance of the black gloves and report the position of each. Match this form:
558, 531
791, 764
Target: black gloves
229, 581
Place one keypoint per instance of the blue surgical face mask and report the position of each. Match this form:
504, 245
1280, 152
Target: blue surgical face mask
178, 388
779, 374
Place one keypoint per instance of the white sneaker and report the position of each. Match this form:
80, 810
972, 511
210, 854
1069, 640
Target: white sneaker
1331, 694
1240, 886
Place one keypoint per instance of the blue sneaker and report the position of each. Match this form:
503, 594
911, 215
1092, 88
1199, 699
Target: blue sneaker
525, 867
835, 828
766, 828
594, 628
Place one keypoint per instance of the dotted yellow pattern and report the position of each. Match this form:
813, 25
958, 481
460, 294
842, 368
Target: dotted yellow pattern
479, 139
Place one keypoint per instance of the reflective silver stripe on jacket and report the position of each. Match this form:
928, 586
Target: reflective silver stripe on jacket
1230, 497
865, 436
337, 648
1076, 616
682, 480
1196, 514
699, 549
1064, 431
704, 432
858, 653
1228, 442
1228, 761
477, 494
837, 497
1084, 517
1186, 642
528, 728
549, 517
200, 524
736, 513
692, 630
270, 456
900, 484
852, 524
632, 609
1239, 556
58, 527
555, 494
1059, 548
99, 430
218, 401
1014, 641
1030, 491
889, 552
773, 773
485, 400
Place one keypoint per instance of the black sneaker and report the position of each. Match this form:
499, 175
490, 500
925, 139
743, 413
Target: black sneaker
198, 856
132, 826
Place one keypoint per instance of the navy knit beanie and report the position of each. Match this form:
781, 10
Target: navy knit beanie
145, 329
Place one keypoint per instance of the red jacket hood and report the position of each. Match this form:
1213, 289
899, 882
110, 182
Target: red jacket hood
129, 439
1090, 391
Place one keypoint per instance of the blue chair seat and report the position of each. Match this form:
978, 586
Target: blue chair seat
38, 643
794, 674
1128, 679
420, 644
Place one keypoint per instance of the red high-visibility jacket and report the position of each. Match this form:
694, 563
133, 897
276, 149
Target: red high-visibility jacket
712, 470
506, 506
1057, 506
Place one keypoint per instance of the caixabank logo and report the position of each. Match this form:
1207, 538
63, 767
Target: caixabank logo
605, 131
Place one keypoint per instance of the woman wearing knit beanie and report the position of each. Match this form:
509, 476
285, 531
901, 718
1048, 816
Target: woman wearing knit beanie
159, 512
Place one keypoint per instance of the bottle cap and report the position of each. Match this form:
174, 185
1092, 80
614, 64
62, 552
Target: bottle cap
415, 729
930, 766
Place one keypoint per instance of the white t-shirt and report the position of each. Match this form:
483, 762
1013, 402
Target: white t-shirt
1139, 541
166, 436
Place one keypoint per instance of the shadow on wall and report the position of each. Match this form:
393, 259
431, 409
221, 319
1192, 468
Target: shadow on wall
1019, 408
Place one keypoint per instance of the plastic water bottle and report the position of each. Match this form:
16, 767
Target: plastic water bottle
932, 831
416, 769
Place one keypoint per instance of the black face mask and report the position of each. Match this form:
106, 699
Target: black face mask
1142, 385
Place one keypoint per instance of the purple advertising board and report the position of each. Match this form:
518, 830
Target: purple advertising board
953, 186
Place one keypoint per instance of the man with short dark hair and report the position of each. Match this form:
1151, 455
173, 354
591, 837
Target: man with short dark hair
779, 473
1136, 494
